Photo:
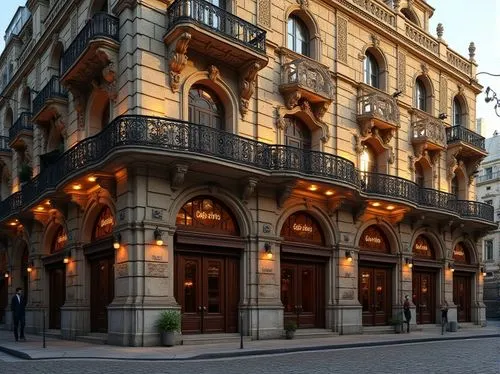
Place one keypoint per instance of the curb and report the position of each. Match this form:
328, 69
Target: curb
256, 352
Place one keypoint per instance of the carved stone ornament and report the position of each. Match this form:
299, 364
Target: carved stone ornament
425, 68
304, 4
178, 59
157, 214
305, 113
472, 51
375, 40
440, 30
109, 184
178, 175
247, 85
266, 228
248, 189
283, 194
452, 162
213, 73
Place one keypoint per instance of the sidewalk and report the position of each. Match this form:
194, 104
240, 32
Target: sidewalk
64, 349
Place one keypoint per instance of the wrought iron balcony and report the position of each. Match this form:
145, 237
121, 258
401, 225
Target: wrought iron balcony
216, 33
186, 140
385, 185
95, 45
472, 143
427, 132
46, 103
21, 129
376, 109
4, 146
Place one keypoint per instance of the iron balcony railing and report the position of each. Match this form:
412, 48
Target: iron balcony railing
52, 90
460, 133
4, 144
102, 25
216, 19
23, 123
179, 137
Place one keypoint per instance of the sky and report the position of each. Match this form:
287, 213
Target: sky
463, 20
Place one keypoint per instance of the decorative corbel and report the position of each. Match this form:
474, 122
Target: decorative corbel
292, 99
417, 221
334, 204
79, 200
213, 73
283, 194
247, 85
472, 170
178, 60
248, 189
358, 211
358, 144
109, 184
177, 175
304, 4
375, 40
452, 162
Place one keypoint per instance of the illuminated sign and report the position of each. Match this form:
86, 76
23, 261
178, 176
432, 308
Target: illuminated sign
208, 215
303, 228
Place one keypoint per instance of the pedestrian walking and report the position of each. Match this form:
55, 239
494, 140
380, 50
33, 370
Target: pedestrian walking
444, 316
407, 312
18, 305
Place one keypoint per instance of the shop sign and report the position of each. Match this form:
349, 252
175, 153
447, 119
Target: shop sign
302, 228
210, 216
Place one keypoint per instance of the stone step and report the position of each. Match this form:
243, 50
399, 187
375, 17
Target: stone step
93, 338
51, 333
314, 333
197, 339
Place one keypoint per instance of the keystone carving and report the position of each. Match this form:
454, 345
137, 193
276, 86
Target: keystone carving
247, 85
248, 189
178, 60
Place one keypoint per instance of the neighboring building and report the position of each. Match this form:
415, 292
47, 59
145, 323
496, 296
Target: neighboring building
488, 191
309, 162
484, 127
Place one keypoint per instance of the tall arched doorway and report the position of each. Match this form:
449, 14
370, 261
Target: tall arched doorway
56, 270
101, 259
462, 282
207, 266
303, 263
424, 280
375, 276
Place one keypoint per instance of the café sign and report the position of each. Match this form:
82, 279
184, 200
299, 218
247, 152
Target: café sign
302, 227
210, 216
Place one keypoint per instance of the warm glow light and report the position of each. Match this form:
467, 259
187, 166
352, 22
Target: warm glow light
313, 187
92, 179
410, 265
375, 204
329, 193
40, 208
47, 202
390, 207
13, 223
116, 245
29, 269
6, 275
77, 186
484, 273
452, 270
349, 259
66, 260
269, 255
159, 242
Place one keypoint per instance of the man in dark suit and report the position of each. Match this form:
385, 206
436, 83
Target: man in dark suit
18, 305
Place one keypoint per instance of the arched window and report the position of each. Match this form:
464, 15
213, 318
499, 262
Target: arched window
368, 160
420, 95
372, 71
297, 134
455, 187
298, 36
205, 108
457, 113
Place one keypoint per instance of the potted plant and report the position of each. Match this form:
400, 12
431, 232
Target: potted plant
169, 323
25, 173
290, 327
397, 322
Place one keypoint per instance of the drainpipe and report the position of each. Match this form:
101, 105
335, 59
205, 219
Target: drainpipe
257, 268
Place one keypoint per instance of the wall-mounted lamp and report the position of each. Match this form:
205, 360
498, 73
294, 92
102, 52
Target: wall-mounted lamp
348, 255
30, 267
67, 257
117, 238
409, 262
397, 93
451, 267
6, 274
268, 251
158, 238
442, 116
483, 271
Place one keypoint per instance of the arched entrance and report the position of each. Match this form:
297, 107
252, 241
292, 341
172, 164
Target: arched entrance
101, 259
462, 282
375, 276
303, 263
424, 280
207, 266
56, 270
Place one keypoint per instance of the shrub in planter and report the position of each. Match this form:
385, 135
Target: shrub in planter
290, 327
169, 323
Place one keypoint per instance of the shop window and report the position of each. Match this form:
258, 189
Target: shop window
104, 224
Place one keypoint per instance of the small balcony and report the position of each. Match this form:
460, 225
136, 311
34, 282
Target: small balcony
214, 33
470, 144
4, 146
302, 79
93, 54
50, 101
376, 109
428, 133
21, 132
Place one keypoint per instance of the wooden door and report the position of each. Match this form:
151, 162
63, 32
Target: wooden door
102, 291
424, 296
4, 298
207, 287
302, 293
462, 296
57, 290
375, 295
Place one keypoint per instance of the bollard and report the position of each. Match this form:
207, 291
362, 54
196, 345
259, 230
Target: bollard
43, 330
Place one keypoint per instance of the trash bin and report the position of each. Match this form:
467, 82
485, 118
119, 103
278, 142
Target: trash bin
452, 326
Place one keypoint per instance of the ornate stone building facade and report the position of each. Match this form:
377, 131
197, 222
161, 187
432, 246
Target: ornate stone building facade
247, 163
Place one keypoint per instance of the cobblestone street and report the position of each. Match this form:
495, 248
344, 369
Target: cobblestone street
459, 356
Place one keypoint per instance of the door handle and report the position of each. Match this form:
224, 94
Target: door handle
204, 308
